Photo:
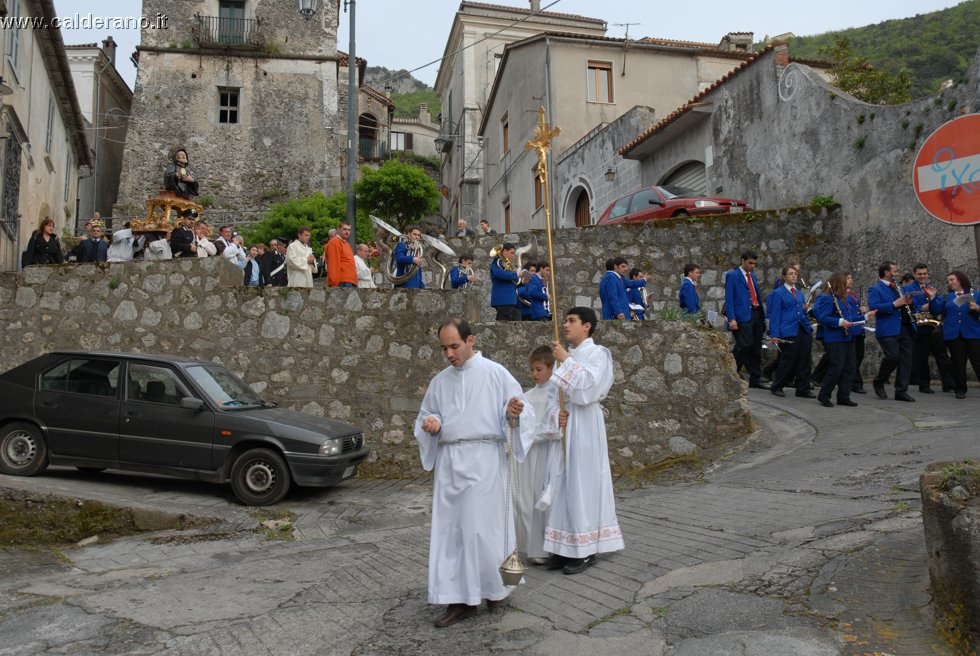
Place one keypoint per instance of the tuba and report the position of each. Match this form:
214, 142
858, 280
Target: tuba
437, 248
388, 237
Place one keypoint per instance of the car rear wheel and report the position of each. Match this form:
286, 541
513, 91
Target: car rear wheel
260, 477
681, 213
22, 450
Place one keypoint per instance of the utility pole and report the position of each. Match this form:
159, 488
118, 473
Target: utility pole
351, 128
626, 45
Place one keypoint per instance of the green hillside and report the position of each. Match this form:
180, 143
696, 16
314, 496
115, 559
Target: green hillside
407, 104
934, 47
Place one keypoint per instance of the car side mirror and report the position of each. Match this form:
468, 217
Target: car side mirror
191, 403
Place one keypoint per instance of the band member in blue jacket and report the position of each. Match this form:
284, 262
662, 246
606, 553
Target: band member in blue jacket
894, 331
746, 317
405, 258
612, 290
635, 294
536, 292
523, 302
788, 321
690, 301
504, 281
927, 338
836, 315
960, 310
462, 274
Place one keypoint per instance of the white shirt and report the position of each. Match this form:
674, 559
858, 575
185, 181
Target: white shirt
364, 276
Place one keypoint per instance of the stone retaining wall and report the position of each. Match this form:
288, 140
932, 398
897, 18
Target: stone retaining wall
364, 356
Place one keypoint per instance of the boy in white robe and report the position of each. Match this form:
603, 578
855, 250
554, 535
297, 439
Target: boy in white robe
543, 460
582, 521
461, 428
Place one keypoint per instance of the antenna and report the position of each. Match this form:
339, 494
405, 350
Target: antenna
626, 42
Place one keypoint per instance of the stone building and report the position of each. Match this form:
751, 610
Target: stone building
252, 90
473, 52
584, 83
42, 129
105, 100
777, 134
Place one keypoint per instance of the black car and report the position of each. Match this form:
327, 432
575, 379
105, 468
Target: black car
166, 415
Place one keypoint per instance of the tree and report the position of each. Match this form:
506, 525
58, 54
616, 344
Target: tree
318, 212
399, 193
855, 75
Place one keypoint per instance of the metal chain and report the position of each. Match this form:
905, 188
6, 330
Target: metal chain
512, 483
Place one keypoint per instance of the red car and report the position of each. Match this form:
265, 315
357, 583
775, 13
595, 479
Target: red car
666, 202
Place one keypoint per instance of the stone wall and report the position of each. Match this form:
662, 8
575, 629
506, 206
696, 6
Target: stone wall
363, 356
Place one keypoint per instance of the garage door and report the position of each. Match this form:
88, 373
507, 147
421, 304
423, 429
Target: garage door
690, 175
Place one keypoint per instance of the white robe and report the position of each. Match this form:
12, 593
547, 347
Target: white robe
299, 272
365, 279
583, 520
158, 250
469, 503
121, 248
533, 473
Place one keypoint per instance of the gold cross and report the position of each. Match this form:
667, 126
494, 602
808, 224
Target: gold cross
541, 142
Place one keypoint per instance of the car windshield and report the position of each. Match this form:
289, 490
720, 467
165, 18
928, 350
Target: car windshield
679, 192
224, 388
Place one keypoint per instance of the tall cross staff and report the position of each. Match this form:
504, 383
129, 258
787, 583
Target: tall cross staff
541, 143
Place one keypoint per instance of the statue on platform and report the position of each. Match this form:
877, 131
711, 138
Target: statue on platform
177, 178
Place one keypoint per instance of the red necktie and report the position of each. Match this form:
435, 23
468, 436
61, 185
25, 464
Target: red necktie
755, 299
794, 292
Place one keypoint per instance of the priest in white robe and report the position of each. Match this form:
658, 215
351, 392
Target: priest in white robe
583, 522
461, 429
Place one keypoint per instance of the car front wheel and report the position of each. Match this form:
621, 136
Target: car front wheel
680, 213
260, 477
22, 450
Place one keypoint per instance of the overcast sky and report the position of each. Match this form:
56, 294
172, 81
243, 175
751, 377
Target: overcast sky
411, 33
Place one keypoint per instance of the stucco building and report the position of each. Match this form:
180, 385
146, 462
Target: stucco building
472, 55
415, 135
43, 132
105, 100
252, 90
584, 83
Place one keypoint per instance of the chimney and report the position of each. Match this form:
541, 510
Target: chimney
424, 116
535, 6
109, 48
781, 53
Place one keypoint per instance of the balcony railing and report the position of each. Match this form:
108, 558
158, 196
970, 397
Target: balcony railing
228, 32
444, 141
368, 148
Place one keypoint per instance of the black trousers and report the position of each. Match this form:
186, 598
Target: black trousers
508, 313
794, 360
748, 346
961, 350
930, 340
897, 351
858, 382
840, 371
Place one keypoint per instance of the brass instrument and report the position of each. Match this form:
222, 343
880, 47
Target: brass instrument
436, 248
816, 289
923, 318
388, 237
467, 271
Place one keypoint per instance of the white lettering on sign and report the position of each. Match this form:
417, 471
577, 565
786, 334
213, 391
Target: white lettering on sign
948, 172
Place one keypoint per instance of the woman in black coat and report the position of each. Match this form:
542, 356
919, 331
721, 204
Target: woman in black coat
44, 247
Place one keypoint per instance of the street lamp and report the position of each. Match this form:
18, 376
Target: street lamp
307, 8
610, 174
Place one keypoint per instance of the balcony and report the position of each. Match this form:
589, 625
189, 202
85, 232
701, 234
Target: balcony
222, 32
371, 149
447, 133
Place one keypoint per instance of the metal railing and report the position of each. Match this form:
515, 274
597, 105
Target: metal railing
368, 148
224, 32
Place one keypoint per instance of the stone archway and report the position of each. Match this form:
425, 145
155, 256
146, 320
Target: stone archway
577, 206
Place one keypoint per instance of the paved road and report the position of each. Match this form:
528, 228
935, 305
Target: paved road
805, 541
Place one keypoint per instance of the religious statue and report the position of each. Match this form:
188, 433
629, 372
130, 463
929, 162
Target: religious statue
177, 178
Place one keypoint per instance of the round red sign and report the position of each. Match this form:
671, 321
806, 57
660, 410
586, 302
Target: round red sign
946, 175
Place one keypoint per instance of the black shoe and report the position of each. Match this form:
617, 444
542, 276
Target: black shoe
806, 395
825, 403
759, 385
848, 403
961, 395
859, 390
948, 389
579, 565
926, 390
880, 390
556, 562
777, 392
903, 396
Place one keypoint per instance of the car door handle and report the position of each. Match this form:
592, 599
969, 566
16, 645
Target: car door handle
49, 404
133, 413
